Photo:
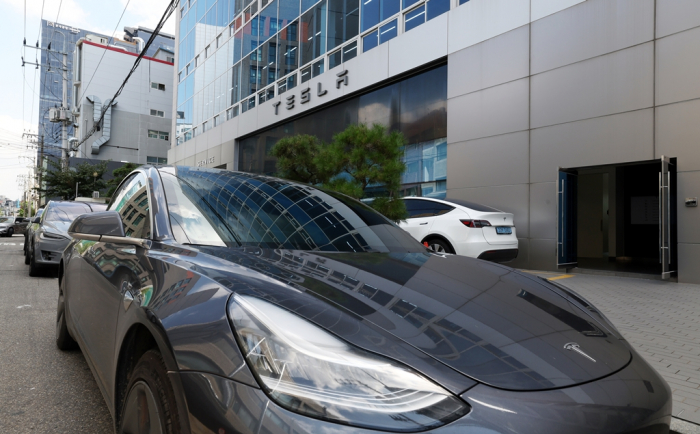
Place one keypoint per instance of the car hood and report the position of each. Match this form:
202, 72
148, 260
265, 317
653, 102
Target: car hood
488, 322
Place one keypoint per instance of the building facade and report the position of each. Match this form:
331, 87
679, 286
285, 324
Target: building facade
578, 116
137, 128
62, 39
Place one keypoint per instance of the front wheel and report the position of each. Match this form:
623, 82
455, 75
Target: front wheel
10, 232
149, 406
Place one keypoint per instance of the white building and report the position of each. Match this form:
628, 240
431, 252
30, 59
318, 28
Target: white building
137, 128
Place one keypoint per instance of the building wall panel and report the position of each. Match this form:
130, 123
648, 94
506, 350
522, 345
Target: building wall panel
496, 61
496, 110
673, 16
479, 20
472, 163
590, 29
412, 49
543, 8
678, 67
614, 83
678, 133
543, 210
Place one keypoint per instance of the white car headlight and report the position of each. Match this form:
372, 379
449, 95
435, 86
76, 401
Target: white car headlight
308, 370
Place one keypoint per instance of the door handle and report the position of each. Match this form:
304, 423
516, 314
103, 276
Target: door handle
423, 223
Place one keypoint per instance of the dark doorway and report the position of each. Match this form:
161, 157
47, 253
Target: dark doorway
619, 216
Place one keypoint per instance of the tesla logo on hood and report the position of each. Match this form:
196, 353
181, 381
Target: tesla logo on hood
573, 346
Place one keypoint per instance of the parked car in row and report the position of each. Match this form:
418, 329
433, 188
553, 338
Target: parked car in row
47, 236
12, 225
461, 227
214, 301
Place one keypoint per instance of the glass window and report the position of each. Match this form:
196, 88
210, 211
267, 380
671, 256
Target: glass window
461, 2
437, 8
287, 84
65, 212
128, 199
306, 4
370, 40
313, 33
216, 207
407, 3
389, 8
414, 18
268, 21
370, 14
152, 134
317, 68
349, 51
254, 8
234, 85
232, 112
249, 76
343, 21
250, 36
334, 59
306, 74
388, 31
417, 208
268, 63
288, 11
288, 49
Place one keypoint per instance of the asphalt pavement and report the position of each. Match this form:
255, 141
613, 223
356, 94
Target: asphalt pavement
42, 389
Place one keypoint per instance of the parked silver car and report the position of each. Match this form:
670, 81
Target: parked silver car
47, 236
12, 225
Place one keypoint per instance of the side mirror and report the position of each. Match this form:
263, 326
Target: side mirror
36, 219
105, 226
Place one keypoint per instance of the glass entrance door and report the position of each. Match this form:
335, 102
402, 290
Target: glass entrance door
567, 187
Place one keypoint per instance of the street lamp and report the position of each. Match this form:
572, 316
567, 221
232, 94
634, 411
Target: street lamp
94, 180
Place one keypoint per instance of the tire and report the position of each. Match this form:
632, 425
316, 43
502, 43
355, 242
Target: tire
33, 266
10, 232
149, 406
439, 246
64, 341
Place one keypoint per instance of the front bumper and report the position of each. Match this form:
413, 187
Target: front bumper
49, 251
633, 400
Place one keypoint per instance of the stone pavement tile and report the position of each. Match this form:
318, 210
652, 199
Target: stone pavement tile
660, 320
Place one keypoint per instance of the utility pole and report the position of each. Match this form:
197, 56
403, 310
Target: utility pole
39, 141
62, 114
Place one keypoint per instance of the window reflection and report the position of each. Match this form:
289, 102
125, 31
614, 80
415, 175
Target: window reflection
215, 207
131, 202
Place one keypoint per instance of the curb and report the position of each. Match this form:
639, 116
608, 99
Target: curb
679, 426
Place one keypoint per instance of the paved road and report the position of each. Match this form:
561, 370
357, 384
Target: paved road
42, 389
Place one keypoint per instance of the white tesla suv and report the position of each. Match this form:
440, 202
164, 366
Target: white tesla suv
461, 227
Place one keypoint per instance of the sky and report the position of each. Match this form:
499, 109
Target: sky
19, 87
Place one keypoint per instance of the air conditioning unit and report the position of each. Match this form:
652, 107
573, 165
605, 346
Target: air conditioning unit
95, 194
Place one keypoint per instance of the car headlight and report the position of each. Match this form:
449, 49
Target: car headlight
310, 371
50, 236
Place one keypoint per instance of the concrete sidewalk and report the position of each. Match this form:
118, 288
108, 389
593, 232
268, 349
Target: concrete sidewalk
660, 319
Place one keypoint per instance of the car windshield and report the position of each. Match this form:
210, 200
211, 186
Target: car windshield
7, 219
222, 208
66, 212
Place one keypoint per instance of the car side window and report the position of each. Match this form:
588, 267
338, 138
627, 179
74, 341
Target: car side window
418, 208
133, 204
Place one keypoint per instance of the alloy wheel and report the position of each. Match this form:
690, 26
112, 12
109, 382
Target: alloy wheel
141, 411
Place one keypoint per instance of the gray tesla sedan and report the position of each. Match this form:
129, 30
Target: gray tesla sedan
212, 301
48, 234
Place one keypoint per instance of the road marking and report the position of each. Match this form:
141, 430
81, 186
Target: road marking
8, 244
24, 305
565, 276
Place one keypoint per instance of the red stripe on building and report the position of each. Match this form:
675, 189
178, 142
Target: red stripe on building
118, 50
